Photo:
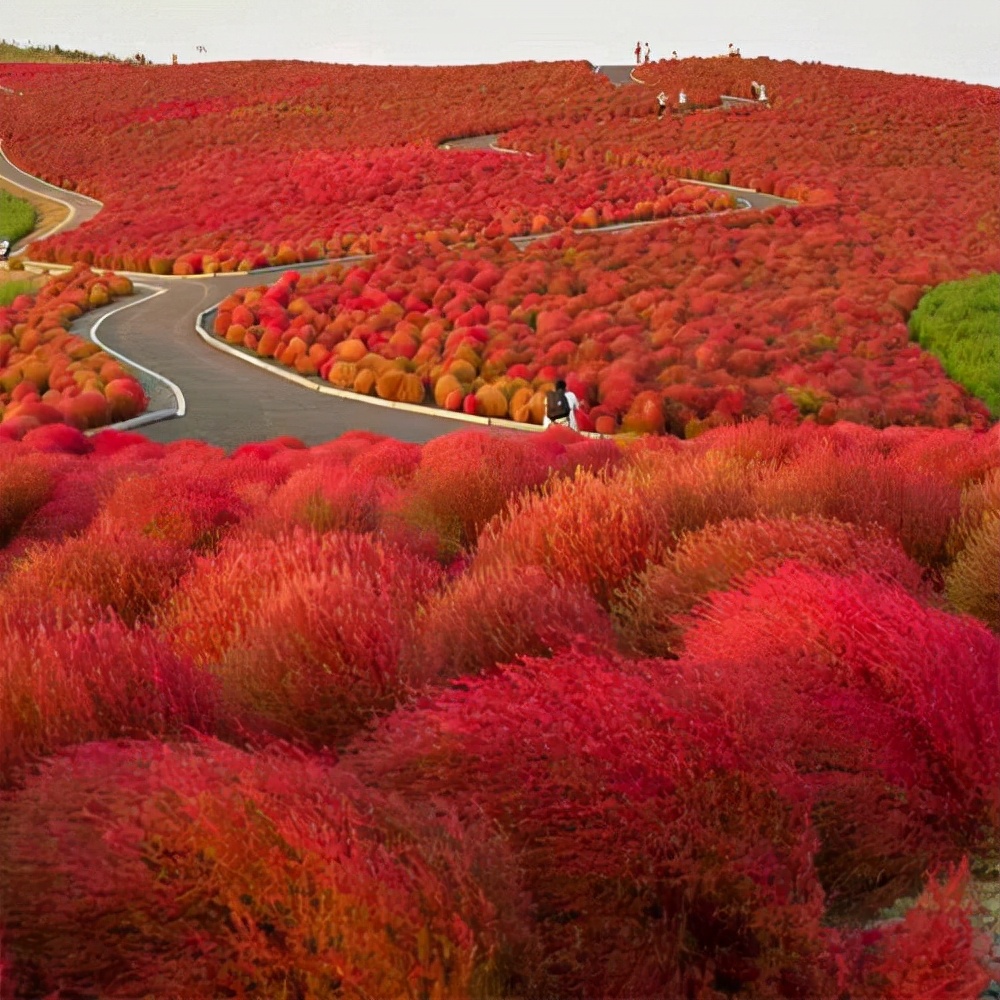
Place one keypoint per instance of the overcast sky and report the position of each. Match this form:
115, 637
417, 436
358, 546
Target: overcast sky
956, 39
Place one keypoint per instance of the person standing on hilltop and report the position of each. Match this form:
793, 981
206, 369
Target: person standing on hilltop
638, 53
646, 57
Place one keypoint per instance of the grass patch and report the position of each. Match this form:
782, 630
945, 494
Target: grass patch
12, 52
17, 217
959, 323
10, 290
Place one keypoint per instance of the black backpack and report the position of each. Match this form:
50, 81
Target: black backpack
556, 404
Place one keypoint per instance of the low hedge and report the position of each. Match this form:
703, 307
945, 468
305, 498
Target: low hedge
958, 322
17, 217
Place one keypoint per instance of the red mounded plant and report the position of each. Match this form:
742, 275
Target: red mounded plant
129, 575
307, 633
323, 496
203, 871
647, 877
648, 613
861, 485
595, 530
486, 619
25, 485
888, 708
463, 480
933, 953
75, 683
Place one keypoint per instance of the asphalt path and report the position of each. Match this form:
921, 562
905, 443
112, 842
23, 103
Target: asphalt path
213, 396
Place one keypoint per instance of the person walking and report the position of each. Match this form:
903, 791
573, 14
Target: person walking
646, 57
561, 406
661, 100
638, 53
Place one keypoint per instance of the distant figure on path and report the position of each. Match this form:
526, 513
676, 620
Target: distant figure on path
673, 55
638, 53
682, 98
561, 406
761, 94
4, 250
661, 99
646, 57
755, 90
733, 53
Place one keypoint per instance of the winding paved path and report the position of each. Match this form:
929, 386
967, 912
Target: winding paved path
214, 396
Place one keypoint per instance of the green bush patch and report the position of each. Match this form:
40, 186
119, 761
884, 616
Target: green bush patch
959, 323
17, 217
11, 289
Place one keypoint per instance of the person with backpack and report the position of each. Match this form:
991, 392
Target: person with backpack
561, 406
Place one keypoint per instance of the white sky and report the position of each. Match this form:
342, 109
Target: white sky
956, 39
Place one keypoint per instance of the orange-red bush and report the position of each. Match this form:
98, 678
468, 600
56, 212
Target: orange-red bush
618, 805
203, 871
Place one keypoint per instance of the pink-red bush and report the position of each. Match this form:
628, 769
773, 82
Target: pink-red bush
307, 633
483, 620
201, 871
890, 709
933, 953
647, 878
77, 683
712, 558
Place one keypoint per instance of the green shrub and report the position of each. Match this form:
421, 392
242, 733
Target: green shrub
17, 217
959, 323
11, 289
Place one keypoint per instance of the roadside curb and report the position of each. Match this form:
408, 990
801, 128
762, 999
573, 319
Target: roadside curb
180, 404
354, 397
66, 223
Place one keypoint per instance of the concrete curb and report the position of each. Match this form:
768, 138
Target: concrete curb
181, 406
316, 385
32, 236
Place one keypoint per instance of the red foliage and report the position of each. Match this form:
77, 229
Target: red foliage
203, 872
483, 620
54, 384
307, 632
25, 486
127, 574
596, 531
77, 683
891, 709
933, 953
862, 485
465, 479
645, 880
714, 557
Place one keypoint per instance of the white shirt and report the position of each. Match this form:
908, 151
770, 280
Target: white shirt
574, 405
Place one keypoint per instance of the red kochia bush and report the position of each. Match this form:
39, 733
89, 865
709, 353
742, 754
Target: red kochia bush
711, 558
307, 632
933, 953
25, 484
661, 859
76, 683
324, 496
136, 869
127, 574
597, 531
891, 708
861, 485
489, 618
466, 478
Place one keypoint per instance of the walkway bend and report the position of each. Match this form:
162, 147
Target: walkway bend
213, 394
